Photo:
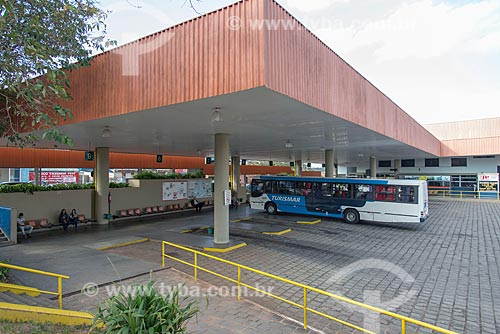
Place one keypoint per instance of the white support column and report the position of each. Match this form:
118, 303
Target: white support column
221, 211
235, 175
330, 170
101, 174
298, 167
373, 167
397, 167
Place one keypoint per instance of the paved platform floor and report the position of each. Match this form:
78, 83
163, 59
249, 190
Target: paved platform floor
219, 313
448, 268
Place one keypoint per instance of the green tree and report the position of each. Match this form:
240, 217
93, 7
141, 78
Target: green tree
40, 42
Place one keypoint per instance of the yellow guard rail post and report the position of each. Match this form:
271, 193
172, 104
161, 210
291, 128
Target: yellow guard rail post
404, 320
44, 273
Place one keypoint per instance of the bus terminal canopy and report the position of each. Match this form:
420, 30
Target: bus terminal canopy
280, 94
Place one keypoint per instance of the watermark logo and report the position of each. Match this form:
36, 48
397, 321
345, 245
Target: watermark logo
91, 290
371, 319
321, 23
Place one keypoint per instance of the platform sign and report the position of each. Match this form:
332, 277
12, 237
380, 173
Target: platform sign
159, 158
227, 197
89, 155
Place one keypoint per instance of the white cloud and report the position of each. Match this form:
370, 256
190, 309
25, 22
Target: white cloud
310, 5
423, 29
127, 23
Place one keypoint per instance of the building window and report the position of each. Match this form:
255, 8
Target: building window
432, 162
408, 163
384, 163
458, 162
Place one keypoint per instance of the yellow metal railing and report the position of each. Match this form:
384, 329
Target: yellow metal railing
463, 194
404, 320
59, 277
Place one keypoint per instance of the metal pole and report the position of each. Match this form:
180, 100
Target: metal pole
59, 291
239, 280
305, 308
195, 267
163, 254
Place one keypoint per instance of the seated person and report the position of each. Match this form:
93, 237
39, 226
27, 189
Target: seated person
73, 218
196, 204
63, 219
25, 229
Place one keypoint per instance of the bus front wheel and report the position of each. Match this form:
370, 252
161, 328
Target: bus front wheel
271, 208
351, 216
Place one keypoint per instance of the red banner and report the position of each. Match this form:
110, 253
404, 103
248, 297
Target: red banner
56, 177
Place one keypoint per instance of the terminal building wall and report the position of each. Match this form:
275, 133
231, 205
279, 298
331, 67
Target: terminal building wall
472, 137
475, 165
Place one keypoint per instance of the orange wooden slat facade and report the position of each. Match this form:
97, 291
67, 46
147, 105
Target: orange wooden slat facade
301, 66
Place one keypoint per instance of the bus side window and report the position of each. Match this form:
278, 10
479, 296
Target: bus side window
362, 191
342, 190
385, 193
406, 194
380, 193
304, 188
291, 188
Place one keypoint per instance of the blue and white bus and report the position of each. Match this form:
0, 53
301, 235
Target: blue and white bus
350, 199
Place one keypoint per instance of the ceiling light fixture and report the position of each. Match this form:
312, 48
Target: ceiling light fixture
216, 115
106, 132
288, 144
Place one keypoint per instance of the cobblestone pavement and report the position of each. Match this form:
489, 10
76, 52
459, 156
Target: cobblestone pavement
219, 313
447, 268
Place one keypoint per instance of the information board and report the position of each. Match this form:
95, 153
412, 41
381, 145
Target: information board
200, 188
172, 191
488, 182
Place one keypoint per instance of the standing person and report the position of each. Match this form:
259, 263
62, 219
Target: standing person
63, 219
73, 218
25, 229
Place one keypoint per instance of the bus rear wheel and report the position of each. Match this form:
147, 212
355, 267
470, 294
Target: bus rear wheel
271, 209
351, 216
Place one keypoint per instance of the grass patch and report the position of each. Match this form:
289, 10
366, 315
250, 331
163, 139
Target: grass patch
7, 327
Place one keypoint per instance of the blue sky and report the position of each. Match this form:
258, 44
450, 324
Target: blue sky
438, 60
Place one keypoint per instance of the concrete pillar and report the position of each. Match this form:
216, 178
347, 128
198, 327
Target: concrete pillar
37, 176
373, 167
235, 175
298, 167
397, 167
330, 170
221, 211
101, 177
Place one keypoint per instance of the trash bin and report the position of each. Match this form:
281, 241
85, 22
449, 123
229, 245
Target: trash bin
108, 216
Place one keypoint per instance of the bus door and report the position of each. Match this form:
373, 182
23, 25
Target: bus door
320, 198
